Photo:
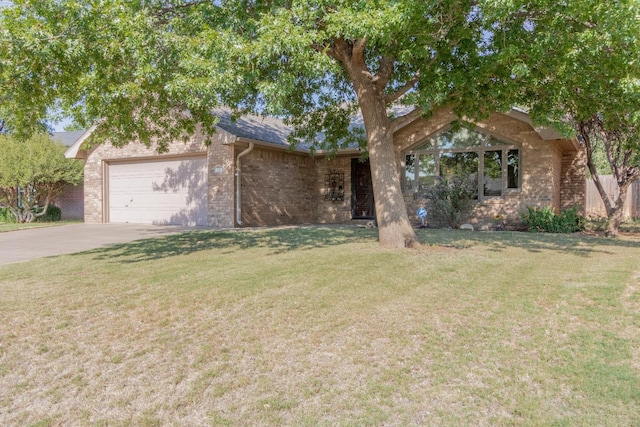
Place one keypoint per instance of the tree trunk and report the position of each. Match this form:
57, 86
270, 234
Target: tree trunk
394, 227
615, 211
619, 157
395, 230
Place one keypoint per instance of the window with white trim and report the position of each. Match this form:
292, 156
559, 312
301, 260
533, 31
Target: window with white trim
467, 153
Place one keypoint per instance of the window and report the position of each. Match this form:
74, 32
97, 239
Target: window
491, 164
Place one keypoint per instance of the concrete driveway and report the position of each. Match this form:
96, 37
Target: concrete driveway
24, 245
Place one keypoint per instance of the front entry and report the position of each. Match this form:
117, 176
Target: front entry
362, 205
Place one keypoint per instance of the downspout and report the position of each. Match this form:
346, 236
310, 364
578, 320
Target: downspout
239, 184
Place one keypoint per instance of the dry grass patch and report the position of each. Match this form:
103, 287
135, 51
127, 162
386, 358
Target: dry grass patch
320, 326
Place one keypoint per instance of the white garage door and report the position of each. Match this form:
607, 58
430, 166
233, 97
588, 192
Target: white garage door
159, 192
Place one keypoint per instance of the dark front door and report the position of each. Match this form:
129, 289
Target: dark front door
362, 206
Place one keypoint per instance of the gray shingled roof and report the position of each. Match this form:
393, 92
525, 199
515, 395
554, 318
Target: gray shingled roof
259, 128
68, 138
272, 130
265, 128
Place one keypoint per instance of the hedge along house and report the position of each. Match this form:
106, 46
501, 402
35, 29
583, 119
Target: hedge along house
250, 176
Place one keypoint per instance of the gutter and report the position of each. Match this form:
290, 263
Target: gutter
239, 183
297, 150
272, 145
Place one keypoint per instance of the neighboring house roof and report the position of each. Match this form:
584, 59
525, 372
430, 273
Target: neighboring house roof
74, 148
68, 138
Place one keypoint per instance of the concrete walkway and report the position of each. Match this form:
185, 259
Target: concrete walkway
24, 245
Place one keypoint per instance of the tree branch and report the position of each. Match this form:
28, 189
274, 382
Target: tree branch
392, 97
351, 56
359, 47
162, 10
164, 13
337, 51
385, 70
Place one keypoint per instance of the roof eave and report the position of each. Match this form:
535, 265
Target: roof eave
547, 133
75, 151
340, 152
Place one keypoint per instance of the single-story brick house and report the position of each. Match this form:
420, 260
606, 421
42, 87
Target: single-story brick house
250, 176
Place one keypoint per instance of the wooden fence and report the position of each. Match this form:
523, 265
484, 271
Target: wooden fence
595, 207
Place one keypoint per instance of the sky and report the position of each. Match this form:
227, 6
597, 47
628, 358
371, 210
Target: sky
59, 127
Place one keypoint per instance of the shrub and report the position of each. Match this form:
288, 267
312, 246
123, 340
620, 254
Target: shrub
546, 220
53, 214
6, 216
597, 223
32, 173
451, 200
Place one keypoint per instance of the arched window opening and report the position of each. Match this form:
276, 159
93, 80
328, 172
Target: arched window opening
491, 164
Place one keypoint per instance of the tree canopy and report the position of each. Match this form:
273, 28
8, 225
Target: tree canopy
579, 70
140, 65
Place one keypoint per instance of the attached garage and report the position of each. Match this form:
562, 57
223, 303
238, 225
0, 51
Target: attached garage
162, 192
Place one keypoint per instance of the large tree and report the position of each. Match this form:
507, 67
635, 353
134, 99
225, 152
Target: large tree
150, 70
578, 66
32, 173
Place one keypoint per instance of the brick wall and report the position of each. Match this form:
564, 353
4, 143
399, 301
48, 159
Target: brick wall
278, 188
333, 211
556, 176
221, 175
573, 190
71, 202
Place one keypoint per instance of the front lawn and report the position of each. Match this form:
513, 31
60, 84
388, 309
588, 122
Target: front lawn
14, 226
321, 327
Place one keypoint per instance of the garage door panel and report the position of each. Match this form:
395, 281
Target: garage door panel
159, 192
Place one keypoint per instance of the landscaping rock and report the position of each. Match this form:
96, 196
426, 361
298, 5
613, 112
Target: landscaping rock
466, 227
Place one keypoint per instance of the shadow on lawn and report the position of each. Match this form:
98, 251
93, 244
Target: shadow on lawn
577, 244
277, 239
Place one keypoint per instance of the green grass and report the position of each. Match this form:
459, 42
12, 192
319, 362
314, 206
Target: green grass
599, 225
320, 326
12, 226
